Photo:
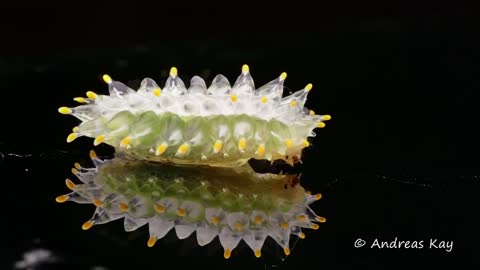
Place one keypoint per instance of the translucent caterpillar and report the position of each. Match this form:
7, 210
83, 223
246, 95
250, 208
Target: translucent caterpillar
220, 125
181, 160
233, 204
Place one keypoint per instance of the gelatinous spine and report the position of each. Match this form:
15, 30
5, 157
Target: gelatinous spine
233, 204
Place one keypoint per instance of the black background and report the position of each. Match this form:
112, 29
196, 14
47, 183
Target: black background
398, 159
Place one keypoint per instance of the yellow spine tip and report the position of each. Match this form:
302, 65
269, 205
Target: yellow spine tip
98, 140
301, 235
125, 142
87, 225
71, 137
227, 253
97, 202
183, 149
157, 92
320, 125
62, 198
245, 69
76, 129
70, 185
74, 171
305, 143
283, 76
215, 220
80, 100
242, 144
286, 251
258, 253
258, 220
288, 143
161, 149
261, 149
234, 98
77, 165
321, 219
217, 146
151, 241
308, 87
264, 100
91, 95
181, 212
106, 78
284, 225
302, 218
315, 226
311, 112
93, 154
173, 72
318, 196
123, 207
239, 226
293, 103
64, 110
159, 208
327, 117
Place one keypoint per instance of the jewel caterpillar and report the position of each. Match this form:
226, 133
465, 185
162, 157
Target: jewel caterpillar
182, 157
221, 125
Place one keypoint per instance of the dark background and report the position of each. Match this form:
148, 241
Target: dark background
398, 159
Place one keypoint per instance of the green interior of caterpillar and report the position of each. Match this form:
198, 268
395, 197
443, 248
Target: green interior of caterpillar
233, 189
147, 131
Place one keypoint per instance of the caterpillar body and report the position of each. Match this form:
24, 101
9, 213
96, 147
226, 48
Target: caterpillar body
220, 125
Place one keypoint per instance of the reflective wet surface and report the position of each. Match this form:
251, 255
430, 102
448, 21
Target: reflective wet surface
368, 207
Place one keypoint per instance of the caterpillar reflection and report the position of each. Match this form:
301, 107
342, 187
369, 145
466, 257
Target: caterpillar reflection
233, 204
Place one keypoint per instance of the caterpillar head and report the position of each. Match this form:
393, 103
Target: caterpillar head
221, 125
